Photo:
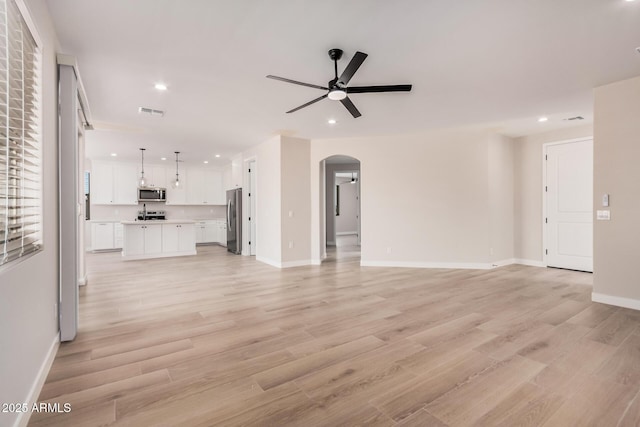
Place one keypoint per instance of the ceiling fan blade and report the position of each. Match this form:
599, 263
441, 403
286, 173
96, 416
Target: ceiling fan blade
371, 89
282, 79
308, 103
352, 108
353, 66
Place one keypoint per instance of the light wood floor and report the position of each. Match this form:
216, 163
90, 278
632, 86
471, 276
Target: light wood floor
219, 339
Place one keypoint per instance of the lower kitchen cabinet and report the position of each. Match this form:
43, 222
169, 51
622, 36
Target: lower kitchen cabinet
155, 240
178, 237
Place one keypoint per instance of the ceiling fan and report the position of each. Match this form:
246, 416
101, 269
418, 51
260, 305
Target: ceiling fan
337, 89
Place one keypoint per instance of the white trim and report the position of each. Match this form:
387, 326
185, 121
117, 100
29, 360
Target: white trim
158, 255
346, 233
503, 262
287, 264
26, 15
410, 264
299, 263
316, 261
529, 262
36, 387
82, 94
617, 301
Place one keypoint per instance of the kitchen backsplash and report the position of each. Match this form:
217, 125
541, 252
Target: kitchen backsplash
129, 213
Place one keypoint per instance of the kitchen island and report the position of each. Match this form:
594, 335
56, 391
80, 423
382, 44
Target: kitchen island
158, 239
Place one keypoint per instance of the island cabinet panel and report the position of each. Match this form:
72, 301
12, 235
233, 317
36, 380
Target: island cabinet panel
143, 239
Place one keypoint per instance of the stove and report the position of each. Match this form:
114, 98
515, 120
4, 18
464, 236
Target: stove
151, 215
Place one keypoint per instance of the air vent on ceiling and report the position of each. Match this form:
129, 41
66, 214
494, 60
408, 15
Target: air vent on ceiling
575, 118
150, 112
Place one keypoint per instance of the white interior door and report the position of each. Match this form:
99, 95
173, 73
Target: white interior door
569, 205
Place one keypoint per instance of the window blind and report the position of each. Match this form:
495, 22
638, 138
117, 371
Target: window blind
20, 146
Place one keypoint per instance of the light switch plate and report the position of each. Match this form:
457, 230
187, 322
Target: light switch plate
605, 200
603, 215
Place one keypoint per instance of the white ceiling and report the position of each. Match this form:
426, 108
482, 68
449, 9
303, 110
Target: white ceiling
503, 62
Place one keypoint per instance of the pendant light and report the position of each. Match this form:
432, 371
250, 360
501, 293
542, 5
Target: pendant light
142, 182
176, 182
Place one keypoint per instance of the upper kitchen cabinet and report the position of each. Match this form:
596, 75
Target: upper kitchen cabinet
204, 187
114, 184
178, 195
156, 176
236, 172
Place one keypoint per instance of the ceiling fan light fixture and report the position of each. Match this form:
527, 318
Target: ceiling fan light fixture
337, 94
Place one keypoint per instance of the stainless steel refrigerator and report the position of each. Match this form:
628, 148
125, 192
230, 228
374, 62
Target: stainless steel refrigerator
234, 221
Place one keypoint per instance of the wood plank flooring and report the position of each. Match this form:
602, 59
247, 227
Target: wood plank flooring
219, 339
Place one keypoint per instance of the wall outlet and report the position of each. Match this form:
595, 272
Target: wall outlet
389, 250
290, 244
603, 215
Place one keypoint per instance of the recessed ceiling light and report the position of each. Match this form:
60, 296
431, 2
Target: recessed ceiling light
163, 158
205, 162
161, 86
217, 155
114, 154
332, 121
543, 119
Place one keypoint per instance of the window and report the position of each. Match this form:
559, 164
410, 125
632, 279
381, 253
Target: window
20, 151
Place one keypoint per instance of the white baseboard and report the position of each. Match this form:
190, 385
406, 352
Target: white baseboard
82, 281
503, 263
287, 264
346, 233
316, 261
299, 263
529, 262
447, 265
36, 387
617, 301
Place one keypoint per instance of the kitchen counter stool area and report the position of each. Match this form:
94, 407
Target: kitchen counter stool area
158, 239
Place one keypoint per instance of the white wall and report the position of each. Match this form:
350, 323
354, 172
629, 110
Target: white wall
501, 198
616, 172
424, 198
29, 289
296, 204
268, 200
528, 189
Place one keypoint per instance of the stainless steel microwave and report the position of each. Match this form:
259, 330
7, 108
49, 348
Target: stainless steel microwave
152, 194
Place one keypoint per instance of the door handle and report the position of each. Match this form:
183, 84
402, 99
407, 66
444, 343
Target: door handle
228, 213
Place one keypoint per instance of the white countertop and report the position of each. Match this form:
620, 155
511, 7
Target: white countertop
160, 221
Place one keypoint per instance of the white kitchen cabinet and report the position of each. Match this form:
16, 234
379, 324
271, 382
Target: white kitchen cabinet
221, 227
114, 184
156, 176
236, 172
195, 187
142, 239
125, 184
177, 196
206, 232
102, 184
213, 191
226, 179
102, 237
178, 237
133, 240
118, 235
